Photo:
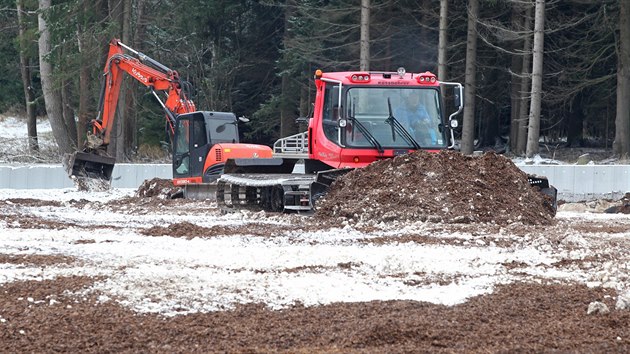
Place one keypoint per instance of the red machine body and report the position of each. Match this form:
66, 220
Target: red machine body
324, 148
358, 118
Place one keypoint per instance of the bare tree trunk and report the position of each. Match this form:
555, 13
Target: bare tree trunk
305, 101
468, 129
125, 136
287, 101
138, 37
84, 78
425, 41
364, 64
574, 118
533, 131
115, 8
521, 140
27, 82
82, 125
68, 111
52, 97
515, 86
443, 40
621, 145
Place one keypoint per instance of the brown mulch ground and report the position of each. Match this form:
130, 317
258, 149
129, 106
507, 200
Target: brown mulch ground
438, 187
189, 230
39, 316
35, 259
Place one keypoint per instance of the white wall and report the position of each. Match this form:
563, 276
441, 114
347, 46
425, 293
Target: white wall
54, 176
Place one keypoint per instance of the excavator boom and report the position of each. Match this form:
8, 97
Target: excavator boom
93, 161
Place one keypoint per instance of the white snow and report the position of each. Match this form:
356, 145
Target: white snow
15, 128
66, 194
14, 142
171, 276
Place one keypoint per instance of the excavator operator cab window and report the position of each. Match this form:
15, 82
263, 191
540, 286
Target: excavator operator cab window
222, 127
181, 151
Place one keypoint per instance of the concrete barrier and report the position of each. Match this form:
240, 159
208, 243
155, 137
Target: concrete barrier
585, 182
574, 182
54, 176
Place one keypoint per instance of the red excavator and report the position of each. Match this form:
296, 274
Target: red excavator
358, 118
202, 140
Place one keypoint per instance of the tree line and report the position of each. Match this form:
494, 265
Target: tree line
550, 71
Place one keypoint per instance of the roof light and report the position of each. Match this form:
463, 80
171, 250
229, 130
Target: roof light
360, 78
318, 74
426, 78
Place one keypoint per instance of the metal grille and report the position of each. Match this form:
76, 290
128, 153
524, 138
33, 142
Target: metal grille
219, 154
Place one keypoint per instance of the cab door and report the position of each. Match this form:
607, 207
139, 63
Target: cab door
191, 146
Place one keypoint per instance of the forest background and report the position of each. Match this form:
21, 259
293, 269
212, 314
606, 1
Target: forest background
554, 72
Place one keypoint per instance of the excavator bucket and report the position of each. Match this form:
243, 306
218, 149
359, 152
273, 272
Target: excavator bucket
542, 183
83, 164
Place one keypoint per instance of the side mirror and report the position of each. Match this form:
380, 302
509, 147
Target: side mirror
453, 123
458, 96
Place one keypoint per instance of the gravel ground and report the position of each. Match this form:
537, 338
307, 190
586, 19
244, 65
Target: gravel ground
114, 272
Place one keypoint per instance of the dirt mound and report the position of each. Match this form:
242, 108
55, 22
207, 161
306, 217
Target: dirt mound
622, 208
180, 229
160, 188
442, 187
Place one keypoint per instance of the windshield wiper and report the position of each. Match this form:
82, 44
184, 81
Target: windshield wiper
367, 133
395, 123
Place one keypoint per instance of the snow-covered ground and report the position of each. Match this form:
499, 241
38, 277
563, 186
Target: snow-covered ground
15, 128
296, 265
14, 146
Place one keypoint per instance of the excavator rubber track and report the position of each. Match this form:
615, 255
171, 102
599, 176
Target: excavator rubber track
269, 192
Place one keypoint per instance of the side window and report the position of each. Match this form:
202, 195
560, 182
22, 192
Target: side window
181, 153
199, 133
331, 111
182, 144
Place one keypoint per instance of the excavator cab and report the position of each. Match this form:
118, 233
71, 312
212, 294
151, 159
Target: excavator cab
195, 134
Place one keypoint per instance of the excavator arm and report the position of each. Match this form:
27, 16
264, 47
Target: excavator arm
146, 71
93, 161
